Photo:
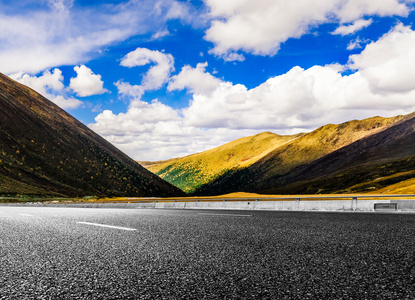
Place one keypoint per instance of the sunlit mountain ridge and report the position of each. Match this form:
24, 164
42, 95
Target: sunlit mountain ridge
192, 172
370, 155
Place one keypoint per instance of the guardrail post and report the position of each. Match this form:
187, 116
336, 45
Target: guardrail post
297, 200
354, 203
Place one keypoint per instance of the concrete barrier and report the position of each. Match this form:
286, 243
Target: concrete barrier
289, 205
283, 204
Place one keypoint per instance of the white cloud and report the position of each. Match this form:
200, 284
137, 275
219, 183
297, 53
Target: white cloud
196, 80
355, 44
86, 83
48, 81
154, 78
62, 33
61, 5
126, 89
352, 10
158, 74
160, 34
352, 28
259, 27
305, 98
50, 85
389, 64
154, 131
140, 117
299, 98
65, 103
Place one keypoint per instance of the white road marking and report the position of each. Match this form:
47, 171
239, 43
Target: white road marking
26, 215
233, 215
108, 226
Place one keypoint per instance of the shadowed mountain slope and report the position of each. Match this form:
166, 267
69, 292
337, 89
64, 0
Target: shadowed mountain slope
45, 151
356, 156
191, 172
382, 163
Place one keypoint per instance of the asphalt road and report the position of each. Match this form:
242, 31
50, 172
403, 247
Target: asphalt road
67, 253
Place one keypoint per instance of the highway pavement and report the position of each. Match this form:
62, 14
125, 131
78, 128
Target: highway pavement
81, 253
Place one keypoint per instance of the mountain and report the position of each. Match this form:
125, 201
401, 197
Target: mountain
45, 151
191, 172
383, 163
300, 163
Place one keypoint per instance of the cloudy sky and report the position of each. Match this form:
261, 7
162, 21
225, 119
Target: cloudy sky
167, 78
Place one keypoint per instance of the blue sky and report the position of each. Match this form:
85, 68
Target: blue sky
168, 78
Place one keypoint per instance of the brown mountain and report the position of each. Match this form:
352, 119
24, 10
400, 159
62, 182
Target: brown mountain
383, 162
45, 151
315, 162
357, 156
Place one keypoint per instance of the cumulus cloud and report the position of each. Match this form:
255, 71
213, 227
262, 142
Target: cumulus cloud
154, 78
352, 28
298, 99
259, 27
65, 103
351, 10
196, 80
389, 63
154, 131
50, 85
48, 81
128, 90
148, 116
158, 74
86, 83
62, 33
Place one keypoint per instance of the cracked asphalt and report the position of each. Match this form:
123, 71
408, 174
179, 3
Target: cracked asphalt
68, 253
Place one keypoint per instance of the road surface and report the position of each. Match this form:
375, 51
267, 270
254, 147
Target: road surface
80, 253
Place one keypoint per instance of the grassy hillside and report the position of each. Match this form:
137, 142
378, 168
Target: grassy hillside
380, 163
191, 172
383, 157
318, 143
45, 151
403, 187
260, 163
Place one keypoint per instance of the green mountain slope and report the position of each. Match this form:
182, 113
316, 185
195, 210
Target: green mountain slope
45, 151
191, 172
